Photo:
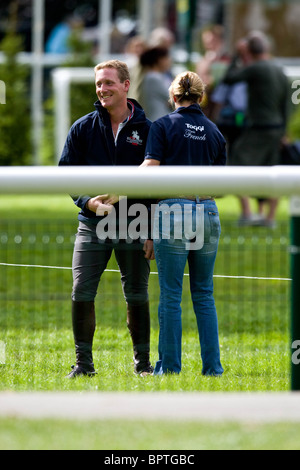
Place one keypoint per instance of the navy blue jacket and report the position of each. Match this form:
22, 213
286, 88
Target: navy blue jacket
91, 142
186, 137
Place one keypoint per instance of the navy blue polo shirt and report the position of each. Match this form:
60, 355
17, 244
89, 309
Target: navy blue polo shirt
186, 137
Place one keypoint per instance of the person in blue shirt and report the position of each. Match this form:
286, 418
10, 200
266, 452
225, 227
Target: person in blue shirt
114, 134
58, 41
186, 227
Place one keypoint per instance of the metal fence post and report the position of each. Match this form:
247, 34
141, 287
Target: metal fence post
295, 293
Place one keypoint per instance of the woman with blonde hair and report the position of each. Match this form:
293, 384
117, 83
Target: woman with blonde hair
186, 137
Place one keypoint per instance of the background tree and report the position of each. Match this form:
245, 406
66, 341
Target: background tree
15, 120
83, 96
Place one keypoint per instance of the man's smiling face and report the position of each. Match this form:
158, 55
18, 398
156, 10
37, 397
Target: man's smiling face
109, 89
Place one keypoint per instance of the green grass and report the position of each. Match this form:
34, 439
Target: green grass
35, 307
35, 326
158, 435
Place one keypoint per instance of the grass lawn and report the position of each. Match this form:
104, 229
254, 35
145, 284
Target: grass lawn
35, 327
35, 307
158, 435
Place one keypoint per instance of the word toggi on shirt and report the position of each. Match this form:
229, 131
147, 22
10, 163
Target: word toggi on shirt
186, 137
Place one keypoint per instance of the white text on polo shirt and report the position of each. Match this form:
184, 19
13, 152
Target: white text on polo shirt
192, 132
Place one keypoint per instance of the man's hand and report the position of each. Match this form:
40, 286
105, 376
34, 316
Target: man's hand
102, 205
112, 199
148, 249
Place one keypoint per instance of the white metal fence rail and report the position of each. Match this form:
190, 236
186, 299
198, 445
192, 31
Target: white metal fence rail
152, 181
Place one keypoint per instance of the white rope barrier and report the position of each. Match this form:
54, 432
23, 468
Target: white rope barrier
152, 273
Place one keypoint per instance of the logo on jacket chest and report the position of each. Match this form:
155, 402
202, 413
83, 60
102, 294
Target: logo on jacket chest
135, 139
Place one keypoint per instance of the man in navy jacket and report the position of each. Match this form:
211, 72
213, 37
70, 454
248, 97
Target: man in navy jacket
114, 134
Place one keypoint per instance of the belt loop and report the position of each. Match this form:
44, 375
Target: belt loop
197, 200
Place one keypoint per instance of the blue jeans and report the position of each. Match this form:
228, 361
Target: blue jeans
175, 245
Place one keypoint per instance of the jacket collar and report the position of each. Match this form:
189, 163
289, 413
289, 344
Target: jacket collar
194, 108
137, 112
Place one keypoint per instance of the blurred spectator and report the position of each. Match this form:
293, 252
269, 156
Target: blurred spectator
268, 104
155, 86
159, 38
58, 41
134, 48
211, 66
230, 104
230, 109
162, 37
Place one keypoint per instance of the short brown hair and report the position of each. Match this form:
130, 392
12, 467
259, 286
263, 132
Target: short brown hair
187, 86
258, 43
151, 57
121, 67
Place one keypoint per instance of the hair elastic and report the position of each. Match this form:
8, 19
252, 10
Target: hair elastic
188, 90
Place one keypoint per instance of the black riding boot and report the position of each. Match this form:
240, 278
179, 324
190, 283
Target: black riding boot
84, 324
138, 322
